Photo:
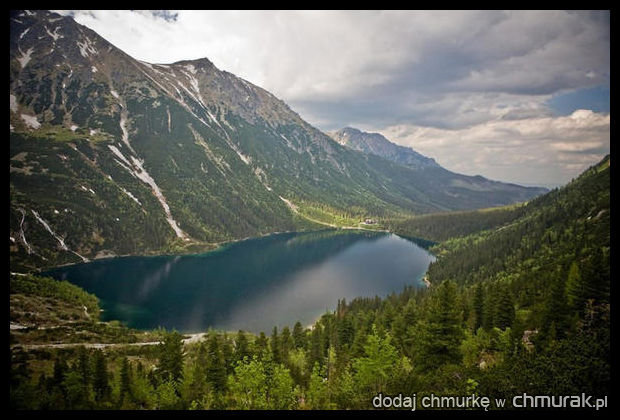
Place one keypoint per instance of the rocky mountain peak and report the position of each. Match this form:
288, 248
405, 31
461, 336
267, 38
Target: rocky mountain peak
376, 144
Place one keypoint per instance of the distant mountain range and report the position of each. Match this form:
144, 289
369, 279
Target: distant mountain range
110, 155
376, 144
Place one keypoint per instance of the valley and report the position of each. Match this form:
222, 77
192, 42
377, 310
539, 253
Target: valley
181, 154
182, 239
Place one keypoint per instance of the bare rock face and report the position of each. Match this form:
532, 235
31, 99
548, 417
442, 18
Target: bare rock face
376, 144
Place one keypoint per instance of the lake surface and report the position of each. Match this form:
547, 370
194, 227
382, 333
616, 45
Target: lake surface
253, 284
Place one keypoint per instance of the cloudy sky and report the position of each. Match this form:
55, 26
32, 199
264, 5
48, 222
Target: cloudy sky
514, 96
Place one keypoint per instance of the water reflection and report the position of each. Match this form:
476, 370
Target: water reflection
254, 284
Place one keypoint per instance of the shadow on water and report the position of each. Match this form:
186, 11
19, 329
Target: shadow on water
422, 243
253, 284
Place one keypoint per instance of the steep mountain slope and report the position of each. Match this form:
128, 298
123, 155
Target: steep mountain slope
376, 144
570, 224
111, 155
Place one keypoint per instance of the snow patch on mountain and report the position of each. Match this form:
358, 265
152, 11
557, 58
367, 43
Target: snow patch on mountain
60, 240
137, 170
25, 58
219, 162
118, 153
289, 204
122, 165
22, 235
262, 177
123, 125
143, 175
86, 47
55, 35
130, 195
31, 121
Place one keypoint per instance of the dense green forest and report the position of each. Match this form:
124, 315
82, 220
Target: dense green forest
438, 227
518, 305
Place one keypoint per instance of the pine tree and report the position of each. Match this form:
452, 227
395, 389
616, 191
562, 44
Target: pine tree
591, 283
556, 320
410, 312
275, 346
489, 310
576, 291
202, 361
84, 367
76, 392
171, 356
125, 388
409, 317
328, 333
101, 384
227, 353
357, 348
441, 332
261, 345
299, 336
60, 369
345, 332
315, 347
399, 330
216, 371
478, 306
242, 348
286, 343
504, 310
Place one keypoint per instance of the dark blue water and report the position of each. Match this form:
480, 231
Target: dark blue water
254, 284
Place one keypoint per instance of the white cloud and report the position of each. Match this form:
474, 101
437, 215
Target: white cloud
302, 55
553, 149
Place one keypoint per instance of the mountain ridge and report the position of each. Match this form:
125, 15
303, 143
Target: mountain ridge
116, 155
377, 144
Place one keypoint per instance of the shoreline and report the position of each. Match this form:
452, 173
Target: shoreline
206, 247
195, 336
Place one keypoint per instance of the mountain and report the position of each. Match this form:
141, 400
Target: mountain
110, 155
376, 144
431, 171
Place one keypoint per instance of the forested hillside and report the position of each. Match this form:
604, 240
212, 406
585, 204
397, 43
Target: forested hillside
521, 308
439, 227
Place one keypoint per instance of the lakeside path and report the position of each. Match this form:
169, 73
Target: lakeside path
193, 338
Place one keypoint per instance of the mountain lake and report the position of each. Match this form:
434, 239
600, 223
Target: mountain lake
254, 284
